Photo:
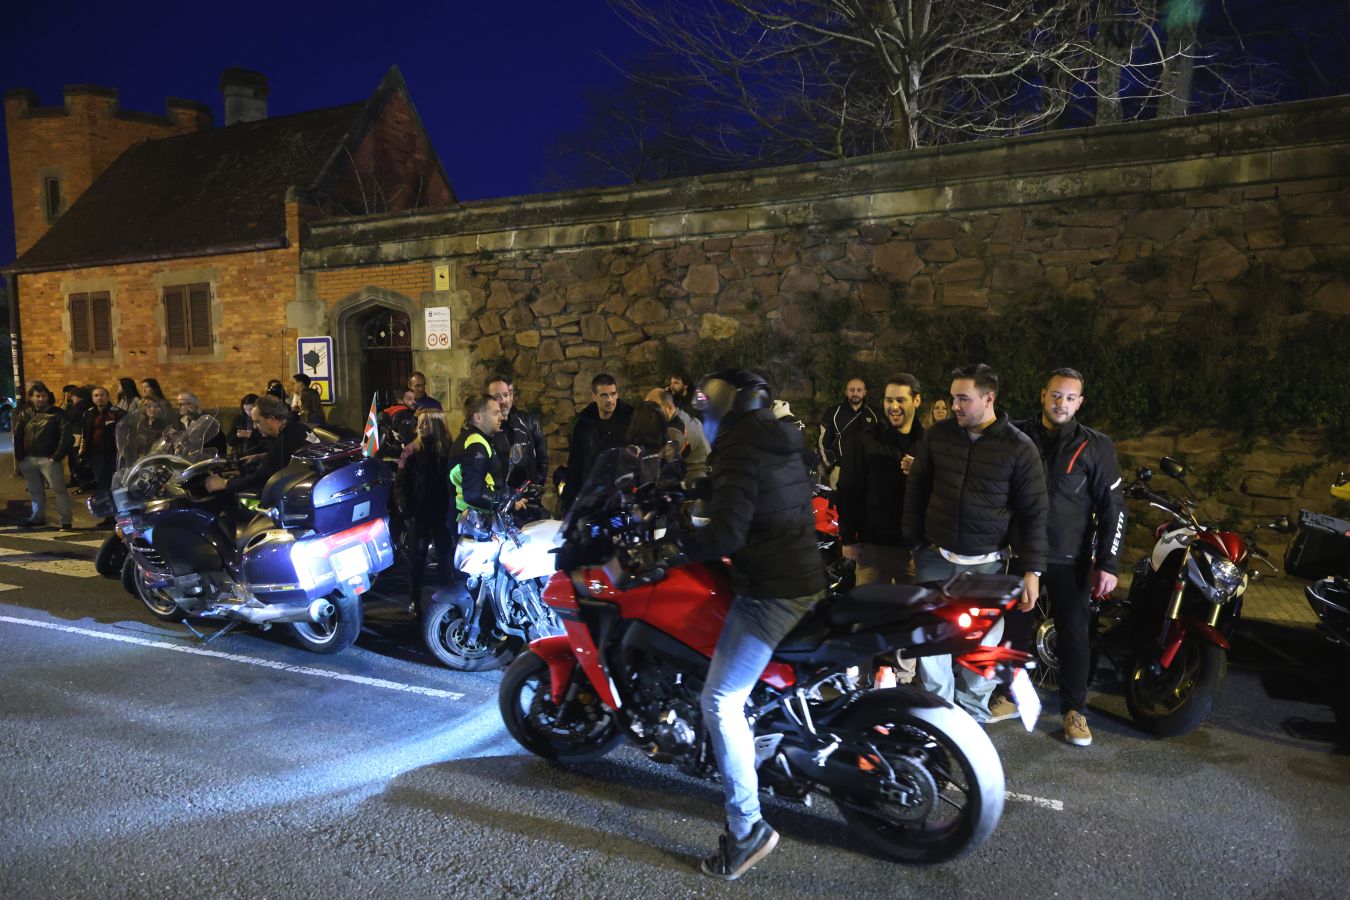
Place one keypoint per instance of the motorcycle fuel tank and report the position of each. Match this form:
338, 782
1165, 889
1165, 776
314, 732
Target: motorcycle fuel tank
533, 558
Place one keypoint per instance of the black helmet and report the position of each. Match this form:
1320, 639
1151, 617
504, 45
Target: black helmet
727, 391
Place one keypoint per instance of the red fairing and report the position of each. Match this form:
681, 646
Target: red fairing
557, 652
1229, 543
559, 593
827, 516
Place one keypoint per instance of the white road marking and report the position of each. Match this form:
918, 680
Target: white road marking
50, 537
1043, 802
9, 587
47, 562
235, 657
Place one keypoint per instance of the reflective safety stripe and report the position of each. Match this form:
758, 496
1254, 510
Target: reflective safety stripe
457, 474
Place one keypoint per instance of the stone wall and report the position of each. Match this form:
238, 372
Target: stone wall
1220, 214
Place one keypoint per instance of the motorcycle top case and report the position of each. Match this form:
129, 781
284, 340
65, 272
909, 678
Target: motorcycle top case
329, 488
1321, 547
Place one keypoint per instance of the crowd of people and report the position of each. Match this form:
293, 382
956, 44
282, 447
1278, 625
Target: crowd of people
925, 491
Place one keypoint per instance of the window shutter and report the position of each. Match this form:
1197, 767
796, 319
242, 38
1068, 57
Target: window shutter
100, 324
79, 323
175, 318
199, 317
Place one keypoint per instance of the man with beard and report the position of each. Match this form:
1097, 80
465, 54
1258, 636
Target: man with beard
518, 428
1085, 532
695, 443
845, 421
976, 486
476, 471
601, 426
871, 493
43, 436
99, 445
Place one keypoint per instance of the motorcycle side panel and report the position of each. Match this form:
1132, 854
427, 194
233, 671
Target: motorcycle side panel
187, 540
690, 604
270, 573
1171, 541
533, 558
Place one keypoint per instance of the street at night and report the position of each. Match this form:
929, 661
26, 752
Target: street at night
140, 762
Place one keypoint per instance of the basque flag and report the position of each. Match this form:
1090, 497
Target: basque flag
370, 438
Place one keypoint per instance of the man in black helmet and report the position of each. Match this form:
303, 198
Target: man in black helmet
760, 516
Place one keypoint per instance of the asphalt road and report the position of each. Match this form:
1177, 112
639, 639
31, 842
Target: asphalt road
138, 762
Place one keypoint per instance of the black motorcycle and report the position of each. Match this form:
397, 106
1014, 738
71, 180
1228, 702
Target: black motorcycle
300, 553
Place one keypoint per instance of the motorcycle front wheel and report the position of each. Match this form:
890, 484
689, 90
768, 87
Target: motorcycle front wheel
1174, 701
445, 631
334, 632
934, 786
111, 557
571, 731
157, 600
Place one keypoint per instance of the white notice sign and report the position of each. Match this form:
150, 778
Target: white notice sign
438, 327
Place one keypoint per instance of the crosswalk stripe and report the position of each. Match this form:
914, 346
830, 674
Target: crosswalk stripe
48, 537
47, 562
9, 587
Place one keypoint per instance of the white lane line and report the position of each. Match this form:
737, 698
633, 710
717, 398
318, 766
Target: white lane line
1043, 802
235, 657
47, 562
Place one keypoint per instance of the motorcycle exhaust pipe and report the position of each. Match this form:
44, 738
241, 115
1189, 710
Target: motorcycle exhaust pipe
277, 613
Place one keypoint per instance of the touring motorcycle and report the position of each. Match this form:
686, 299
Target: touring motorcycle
1170, 636
480, 621
299, 553
1320, 550
915, 777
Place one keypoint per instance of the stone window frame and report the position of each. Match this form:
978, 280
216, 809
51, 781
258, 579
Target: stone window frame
199, 327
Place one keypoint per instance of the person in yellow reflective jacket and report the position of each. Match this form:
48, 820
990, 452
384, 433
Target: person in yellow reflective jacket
476, 471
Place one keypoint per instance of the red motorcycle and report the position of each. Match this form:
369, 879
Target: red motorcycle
916, 778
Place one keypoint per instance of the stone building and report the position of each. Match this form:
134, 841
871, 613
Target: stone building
159, 246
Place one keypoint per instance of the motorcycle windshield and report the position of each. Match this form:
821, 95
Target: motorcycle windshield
139, 432
616, 472
190, 441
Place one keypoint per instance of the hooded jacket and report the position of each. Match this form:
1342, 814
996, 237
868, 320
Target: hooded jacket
974, 497
591, 436
1087, 508
760, 512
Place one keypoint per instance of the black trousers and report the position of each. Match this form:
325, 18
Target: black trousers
1070, 593
420, 537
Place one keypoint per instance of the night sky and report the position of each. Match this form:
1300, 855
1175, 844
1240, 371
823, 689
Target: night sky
495, 84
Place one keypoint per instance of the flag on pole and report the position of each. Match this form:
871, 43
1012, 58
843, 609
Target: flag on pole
370, 438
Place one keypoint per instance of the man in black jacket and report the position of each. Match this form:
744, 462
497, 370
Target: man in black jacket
760, 516
601, 426
477, 472
976, 485
845, 421
1085, 531
871, 492
284, 434
518, 428
43, 437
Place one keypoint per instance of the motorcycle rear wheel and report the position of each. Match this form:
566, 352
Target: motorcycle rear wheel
445, 632
943, 761
583, 730
1175, 701
336, 632
156, 600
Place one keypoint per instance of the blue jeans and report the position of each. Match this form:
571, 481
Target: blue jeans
754, 627
37, 470
935, 672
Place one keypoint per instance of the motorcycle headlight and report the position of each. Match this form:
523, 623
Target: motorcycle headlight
1217, 578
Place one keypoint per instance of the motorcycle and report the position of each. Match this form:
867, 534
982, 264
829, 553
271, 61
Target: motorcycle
915, 777
1169, 638
480, 622
300, 553
1321, 549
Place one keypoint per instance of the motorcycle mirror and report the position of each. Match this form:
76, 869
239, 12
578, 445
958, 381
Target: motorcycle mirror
1173, 469
1282, 525
1144, 473
517, 453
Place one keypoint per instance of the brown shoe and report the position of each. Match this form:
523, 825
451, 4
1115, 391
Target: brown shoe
1001, 709
1076, 729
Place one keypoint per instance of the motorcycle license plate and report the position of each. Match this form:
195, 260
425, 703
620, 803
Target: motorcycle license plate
1027, 700
351, 562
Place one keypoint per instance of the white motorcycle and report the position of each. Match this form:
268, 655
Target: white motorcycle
481, 621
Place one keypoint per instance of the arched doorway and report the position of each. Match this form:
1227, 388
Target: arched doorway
386, 354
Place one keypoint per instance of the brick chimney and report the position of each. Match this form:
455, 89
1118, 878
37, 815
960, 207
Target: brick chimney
245, 95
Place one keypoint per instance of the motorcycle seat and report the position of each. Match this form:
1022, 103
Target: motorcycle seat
878, 604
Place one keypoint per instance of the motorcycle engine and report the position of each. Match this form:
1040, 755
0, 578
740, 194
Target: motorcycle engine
668, 719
